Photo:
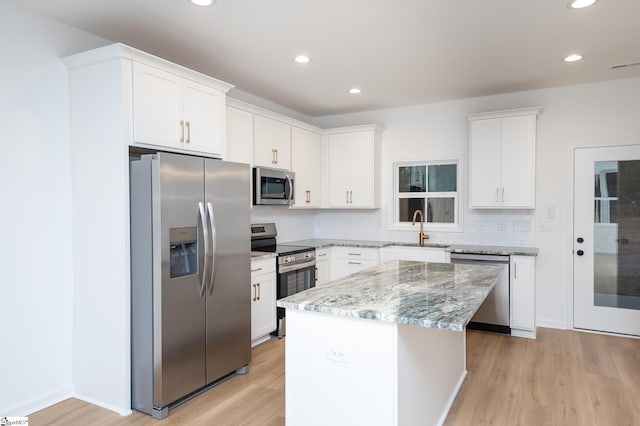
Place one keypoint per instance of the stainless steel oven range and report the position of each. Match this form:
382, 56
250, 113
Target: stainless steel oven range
296, 266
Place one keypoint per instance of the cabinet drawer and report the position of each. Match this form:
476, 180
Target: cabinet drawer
263, 266
323, 254
356, 253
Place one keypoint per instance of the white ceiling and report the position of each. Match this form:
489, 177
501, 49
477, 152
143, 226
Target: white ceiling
400, 52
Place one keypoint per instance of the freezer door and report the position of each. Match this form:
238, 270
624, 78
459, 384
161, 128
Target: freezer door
228, 303
179, 320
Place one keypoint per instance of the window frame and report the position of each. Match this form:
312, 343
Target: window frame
456, 226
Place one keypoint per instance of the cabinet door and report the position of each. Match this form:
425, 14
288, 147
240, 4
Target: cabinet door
522, 292
323, 272
203, 116
306, 151
361, 169
518, 161
157, 107
272, 143
263, 305
484, 173
339, 173
239, 136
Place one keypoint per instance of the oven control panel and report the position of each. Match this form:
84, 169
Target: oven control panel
288, 259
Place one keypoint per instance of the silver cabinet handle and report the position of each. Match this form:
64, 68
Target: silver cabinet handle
308, 194
351, 197
502, 197
347, 197
254, 293
276, 156
205, 237
256, 270
316, 274
322, 254
497, 195
188, 124
355, 254
355, 263
258, 284
273, 156
181, 131
212, 224
515, 271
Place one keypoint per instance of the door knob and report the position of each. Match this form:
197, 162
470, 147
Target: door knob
580, 240
579, 252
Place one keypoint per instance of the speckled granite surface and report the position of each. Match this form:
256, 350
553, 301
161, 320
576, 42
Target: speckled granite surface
453, 248
257, 255
436, 295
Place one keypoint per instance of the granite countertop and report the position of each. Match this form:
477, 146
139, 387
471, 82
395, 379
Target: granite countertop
453, 248
257, 255
435, 295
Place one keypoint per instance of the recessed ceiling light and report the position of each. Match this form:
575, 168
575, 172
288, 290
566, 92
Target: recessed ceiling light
355, 91
573, 58
202, 2
579, 4
302, 59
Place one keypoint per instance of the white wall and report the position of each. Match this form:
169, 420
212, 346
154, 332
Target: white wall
36, 289
594, 114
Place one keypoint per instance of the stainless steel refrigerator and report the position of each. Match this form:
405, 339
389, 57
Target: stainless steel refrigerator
190, 277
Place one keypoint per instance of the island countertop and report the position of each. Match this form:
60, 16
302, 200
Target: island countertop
435, 295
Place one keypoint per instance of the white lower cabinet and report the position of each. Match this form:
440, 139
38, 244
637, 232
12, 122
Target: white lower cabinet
323, 265
263, 299
348, 260
420, 254
522, 286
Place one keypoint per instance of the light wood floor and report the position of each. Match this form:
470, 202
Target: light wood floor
562, 378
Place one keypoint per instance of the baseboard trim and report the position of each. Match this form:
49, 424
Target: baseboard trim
560, 325
37, 404
119, 410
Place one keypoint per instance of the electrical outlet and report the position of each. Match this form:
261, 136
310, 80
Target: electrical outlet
337, 355
545, 227
522, 225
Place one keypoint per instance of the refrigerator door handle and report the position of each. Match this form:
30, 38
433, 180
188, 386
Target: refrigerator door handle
212, 224
205, 232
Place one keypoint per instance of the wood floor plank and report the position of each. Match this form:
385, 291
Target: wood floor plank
562, 378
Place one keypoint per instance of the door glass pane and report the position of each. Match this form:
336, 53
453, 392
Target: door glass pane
412, 179
443, 178
617, 234
407, 206
440, 210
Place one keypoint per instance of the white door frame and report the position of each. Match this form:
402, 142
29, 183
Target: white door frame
570, 217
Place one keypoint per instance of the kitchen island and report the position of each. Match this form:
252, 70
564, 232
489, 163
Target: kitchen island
384, 346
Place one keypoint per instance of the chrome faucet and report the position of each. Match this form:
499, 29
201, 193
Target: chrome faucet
423, 236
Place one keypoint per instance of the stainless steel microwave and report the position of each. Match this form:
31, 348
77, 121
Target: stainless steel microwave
272, 186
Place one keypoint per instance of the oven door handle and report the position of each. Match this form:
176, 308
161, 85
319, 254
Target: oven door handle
288, 268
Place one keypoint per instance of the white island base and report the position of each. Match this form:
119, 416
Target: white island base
350, 371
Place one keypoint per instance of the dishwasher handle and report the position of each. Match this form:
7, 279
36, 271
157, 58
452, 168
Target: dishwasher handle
471, 257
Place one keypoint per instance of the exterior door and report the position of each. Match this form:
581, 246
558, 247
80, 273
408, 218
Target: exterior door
607, 239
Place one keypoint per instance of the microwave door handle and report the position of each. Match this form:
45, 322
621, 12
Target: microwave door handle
205, 237
212, 224
290, 189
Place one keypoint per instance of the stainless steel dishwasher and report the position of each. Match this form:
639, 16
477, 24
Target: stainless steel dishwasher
493, 314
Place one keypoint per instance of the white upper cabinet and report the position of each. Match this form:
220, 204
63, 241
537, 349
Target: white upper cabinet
502, 159
272, 143
175, 112
239, 136
354, 167
306, 153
